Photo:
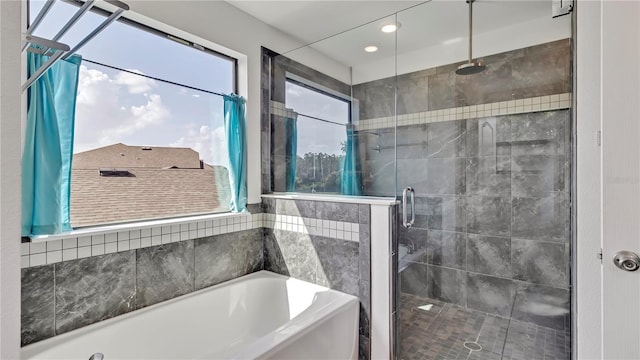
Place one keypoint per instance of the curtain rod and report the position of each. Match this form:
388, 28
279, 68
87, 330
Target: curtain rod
153, 77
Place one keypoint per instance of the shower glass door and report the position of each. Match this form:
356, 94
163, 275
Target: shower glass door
483, 271
481, 255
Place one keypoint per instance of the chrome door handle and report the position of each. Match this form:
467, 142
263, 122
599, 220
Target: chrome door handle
627, 260
405, 218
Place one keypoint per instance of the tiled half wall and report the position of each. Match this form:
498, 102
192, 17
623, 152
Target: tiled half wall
77, 281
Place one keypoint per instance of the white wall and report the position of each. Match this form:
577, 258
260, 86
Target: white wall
10, 125
588, 202
240, 35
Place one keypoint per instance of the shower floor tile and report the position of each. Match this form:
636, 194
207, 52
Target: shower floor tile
431, 329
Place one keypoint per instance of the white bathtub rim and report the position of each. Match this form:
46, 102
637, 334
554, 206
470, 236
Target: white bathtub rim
262, 274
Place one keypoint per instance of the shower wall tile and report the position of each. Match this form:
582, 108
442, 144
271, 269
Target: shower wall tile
364, 214
225, 257
542, 305
414, 280
303, 208
489, 255
488, 136
442, 93
416, 239
490, 294
489, 215
446, 248
415, 169
539, 133
489, 176
337, 266
445, 212
492, 85
291, 254
412, 141
164, 272
447, 285
376, 98
364, 251
544, 219
542, 71
94, 289
37, 319
337, 211
445, 176
540, 262
446, 139
539, 175
413, 93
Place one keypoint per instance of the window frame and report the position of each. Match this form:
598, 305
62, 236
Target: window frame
142, 223
323, 90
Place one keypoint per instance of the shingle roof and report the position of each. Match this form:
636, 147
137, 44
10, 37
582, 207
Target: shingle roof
151, 191
125, 156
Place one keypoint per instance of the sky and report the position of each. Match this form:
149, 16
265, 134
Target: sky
115, 106
313, 135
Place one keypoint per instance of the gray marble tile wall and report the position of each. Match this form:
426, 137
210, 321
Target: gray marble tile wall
274, 70
492, 215
522, 73
343, 265
65, 296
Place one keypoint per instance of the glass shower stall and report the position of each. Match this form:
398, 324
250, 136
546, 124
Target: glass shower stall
480, 162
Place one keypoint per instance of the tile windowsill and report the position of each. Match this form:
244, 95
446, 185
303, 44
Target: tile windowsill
114, 228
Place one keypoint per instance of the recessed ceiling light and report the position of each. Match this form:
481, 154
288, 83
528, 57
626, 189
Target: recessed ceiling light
371, 48
390, 28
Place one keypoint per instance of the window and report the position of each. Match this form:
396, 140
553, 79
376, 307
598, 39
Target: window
321, 136
149, 136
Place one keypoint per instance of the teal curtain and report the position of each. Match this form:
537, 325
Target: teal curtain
351, 181
235, 130
48, 146
291, 126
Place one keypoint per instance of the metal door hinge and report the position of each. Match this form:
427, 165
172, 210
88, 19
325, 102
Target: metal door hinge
599, 138
599, 256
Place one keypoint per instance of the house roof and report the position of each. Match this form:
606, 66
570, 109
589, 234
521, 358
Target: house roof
149, 191
125, 156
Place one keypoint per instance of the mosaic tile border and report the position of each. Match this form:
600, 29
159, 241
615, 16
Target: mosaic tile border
311, 226
511, 107
54, 251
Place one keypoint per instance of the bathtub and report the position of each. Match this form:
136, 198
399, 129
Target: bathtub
258, 316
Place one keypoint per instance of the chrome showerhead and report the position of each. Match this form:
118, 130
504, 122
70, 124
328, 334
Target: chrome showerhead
471, 67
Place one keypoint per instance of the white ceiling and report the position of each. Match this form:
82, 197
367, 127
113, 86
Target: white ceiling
432, 33
313, 20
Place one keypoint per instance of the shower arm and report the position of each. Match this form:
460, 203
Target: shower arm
470, 29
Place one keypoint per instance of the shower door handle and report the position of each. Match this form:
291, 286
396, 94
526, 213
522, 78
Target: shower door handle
405, 222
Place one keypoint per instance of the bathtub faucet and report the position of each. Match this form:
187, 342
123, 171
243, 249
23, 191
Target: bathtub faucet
97, 356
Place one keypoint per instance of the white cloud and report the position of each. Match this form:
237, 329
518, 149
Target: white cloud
195, 95
101, 120
134, 83
210, 143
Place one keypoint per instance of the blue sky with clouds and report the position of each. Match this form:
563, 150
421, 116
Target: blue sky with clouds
114, 106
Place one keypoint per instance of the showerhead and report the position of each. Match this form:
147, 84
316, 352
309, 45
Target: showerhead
470, 68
